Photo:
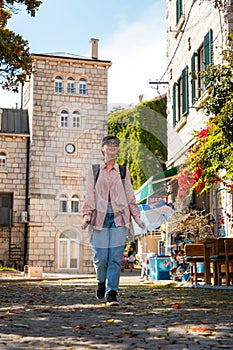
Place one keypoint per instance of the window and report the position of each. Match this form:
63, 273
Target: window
68, 120
179, 10
68, 250
194, 90
199, 62
200, 68
63, 204
6, 209
83, 87
64, 119
76, 120
75, 204
59, 85
71, 88
3, 161
185, 100
208, 49
180, 97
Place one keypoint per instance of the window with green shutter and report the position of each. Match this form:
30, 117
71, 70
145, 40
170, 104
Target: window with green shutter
208, 49
174, 98
180, 97
185, 91
193, 78
179, 10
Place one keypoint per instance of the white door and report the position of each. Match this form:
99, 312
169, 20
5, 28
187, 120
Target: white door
68, 251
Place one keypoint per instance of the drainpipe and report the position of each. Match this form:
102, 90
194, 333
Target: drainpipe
25, 258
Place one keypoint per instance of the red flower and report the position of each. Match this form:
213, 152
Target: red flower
203, 133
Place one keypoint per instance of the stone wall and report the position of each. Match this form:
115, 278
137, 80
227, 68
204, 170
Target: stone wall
55, 173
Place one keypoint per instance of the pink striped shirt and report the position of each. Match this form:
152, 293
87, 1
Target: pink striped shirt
109, 185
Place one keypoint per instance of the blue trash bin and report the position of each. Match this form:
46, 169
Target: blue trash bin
160, 267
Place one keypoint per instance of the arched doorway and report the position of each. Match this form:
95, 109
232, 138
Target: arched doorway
68, 251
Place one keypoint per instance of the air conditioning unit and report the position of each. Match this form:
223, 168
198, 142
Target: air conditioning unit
23, 217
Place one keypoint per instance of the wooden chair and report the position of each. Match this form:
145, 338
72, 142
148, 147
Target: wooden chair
217, 259
209, 250
223, 260
194, 254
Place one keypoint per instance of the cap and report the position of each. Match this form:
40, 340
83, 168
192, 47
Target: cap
108, 138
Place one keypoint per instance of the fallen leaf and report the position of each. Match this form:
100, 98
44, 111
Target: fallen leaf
79, 326
127, 335
176, 323
111, 320
177, 306
204, 330
47, 311
96, 325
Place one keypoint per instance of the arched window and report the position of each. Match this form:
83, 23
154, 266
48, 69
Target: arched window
76, 119
63, 204
3, 161
83, 87
71, 88
59, 88
64, 119
75, 208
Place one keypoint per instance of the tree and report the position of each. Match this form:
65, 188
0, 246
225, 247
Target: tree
143, 133
15, 62
210, 160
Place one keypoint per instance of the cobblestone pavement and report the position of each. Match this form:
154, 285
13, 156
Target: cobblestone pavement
65, 314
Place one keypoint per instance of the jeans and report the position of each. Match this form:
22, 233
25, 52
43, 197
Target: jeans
108, 246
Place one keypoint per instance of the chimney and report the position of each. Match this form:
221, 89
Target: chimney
94, 48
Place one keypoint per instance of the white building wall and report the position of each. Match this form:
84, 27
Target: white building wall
183, 39
199, 18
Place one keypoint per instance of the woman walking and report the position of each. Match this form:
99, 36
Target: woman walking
108, 207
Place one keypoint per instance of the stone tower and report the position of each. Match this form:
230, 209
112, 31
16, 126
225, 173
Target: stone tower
66, 98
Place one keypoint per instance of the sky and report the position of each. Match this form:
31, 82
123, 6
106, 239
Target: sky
131, 33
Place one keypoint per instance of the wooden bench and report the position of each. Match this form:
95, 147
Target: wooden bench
194, 254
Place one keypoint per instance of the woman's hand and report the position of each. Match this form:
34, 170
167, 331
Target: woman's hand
141, 224
86, 222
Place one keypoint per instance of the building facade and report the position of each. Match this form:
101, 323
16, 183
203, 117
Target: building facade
14, 165
66, 100
197, 33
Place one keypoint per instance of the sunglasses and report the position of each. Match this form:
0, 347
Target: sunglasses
112, 143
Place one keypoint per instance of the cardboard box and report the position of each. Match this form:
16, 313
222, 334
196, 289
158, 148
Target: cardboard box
33, 271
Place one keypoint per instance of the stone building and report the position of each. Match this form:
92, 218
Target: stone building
14, 163
66, 100
197, 32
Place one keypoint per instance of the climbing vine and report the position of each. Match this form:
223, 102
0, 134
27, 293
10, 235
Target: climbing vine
210, 160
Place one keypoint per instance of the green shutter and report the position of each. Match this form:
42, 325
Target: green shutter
179, 10
174, 98
185, 99
208, 50
193, 77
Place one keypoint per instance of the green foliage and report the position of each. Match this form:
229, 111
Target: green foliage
143, 134
15, 62
10, 269
211, 158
